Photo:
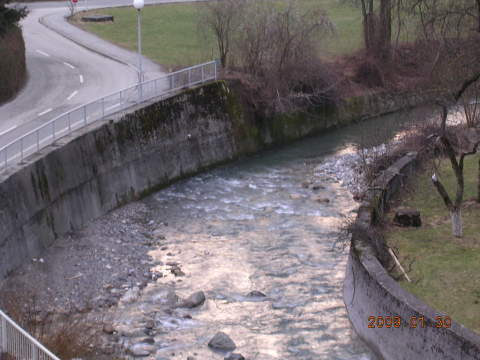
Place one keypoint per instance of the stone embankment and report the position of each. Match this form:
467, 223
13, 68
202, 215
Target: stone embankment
84, 176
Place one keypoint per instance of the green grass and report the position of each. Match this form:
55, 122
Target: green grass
171, 35
445, 269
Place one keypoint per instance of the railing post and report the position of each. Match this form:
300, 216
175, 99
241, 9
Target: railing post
38, 140
85, 113
103, 108
53, 130
69, 124
21, 149
215, 69
6, 158
203, 75
3, 328
171, 82
189, 77
34, 351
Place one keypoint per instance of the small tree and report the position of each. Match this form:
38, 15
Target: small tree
457, 144
10, 16
222, 19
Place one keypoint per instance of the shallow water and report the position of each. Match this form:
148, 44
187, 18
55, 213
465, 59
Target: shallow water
252, 226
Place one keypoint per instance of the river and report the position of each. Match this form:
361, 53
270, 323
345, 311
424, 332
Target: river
254, 226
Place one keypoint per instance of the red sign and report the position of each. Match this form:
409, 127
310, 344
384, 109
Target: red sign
74, 1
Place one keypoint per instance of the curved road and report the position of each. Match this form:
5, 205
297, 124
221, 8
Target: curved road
66, 67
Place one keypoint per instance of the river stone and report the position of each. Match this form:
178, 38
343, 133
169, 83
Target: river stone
234, 356
142, 349
407, 217
131, 295
150, 324
159, 234
222, 341
147, 340
317, 187
108, 329
256, 293
194, 300
164, 297
322, 200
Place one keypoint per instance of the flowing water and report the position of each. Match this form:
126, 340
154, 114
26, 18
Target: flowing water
252, 226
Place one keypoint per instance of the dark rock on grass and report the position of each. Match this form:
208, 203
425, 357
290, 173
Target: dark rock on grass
194, 300
407, 218
222, 341
97, 18
234, 356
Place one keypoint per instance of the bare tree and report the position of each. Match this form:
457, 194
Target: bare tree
275, 47
378, 18
457, 144
438, 17
471, 110
222, 18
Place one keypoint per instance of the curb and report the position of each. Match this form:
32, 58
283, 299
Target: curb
82, 44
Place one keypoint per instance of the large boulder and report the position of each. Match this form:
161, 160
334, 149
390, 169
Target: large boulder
194, 300
222, 341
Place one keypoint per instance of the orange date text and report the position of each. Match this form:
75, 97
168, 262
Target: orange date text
413, 322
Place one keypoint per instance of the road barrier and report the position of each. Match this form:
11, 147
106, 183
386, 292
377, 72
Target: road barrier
81, 116
17, 343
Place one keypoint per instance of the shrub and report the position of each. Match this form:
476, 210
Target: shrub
12, 63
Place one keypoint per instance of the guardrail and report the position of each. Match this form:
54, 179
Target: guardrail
19, 344
81, 116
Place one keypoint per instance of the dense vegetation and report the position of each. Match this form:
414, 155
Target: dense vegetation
12, 51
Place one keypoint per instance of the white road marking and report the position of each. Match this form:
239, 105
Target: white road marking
45, 112
43, 53
81, 79
112, 107
72, 95
9, 129
69, 65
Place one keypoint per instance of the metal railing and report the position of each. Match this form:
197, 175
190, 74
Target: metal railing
17, 343
81, 116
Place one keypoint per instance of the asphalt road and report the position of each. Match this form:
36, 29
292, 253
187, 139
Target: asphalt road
67, 67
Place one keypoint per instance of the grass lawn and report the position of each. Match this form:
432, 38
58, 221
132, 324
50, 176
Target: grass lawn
445, 269
172, 37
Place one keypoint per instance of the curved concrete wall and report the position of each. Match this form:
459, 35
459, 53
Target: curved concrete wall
370, 291
84, 176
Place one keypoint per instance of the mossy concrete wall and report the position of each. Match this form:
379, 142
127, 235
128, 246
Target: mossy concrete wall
370, 291
113, 162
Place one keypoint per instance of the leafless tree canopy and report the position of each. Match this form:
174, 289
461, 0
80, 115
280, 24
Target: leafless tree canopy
275, 46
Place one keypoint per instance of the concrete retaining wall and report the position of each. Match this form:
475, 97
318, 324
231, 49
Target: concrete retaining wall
370, 291
117, 161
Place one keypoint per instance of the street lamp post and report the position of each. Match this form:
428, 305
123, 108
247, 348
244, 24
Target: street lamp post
138, 4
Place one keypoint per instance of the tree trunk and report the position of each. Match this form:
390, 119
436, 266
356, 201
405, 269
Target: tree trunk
457, 225
478, 182
384, 31
478, 15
